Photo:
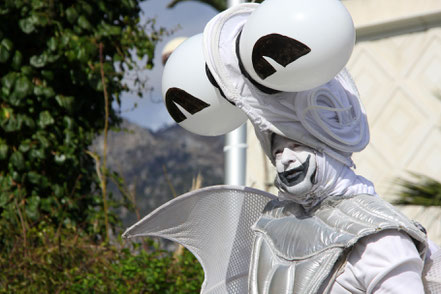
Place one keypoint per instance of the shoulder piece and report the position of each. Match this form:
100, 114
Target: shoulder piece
341, 222
214, 223
297, 251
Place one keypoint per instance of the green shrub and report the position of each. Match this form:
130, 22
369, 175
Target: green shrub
67, 261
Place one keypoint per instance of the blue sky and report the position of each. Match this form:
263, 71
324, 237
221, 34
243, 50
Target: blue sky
191, 16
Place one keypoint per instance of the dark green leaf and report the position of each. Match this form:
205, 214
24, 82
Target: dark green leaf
71, 14
38, 90
24, 146
65, 102
23, 87
42, 139
16, 60
60, 158
4, 10
87, 8
52, 44
14, 99
6, 43
13, 124
84, 23
35, 154
48, 92
38, 60
29, 122
37, 4
45, 119
68, 122
32, 207
26, 70
4, 54
17, 160
27, 25
9, 80
33, 177
3, 151
48, 74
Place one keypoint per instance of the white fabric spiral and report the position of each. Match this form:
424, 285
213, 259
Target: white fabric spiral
333, 114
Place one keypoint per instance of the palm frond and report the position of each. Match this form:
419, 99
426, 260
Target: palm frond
423, 191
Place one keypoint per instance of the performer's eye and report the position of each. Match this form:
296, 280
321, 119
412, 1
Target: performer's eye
292, 146
277, 153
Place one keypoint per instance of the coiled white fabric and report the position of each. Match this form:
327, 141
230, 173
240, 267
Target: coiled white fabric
329, 118
333, 114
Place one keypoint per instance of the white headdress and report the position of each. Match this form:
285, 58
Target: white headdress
328, 118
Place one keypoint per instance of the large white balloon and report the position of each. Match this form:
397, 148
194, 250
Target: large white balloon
296, 45
191, 99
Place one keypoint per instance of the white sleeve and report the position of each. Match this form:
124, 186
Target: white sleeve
387, 262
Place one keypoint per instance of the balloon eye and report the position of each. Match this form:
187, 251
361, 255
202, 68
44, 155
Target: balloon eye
281, 49
185, 100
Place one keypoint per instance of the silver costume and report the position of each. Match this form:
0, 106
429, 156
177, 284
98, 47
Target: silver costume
249, 241
283, 250
296, 251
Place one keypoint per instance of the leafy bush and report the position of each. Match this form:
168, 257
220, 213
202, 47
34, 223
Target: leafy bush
58, 62
67, 261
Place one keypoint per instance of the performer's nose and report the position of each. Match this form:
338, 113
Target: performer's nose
287, 158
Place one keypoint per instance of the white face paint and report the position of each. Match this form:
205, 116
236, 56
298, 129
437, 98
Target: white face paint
296, 166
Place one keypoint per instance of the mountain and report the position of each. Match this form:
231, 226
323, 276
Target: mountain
154, 163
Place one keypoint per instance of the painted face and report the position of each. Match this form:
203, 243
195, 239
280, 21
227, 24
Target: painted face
296, 166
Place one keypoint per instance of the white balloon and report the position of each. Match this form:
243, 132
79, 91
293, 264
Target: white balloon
192, 101
296, 45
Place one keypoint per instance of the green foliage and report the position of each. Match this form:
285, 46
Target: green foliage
67, 261
52, 107
52, 104
424, 191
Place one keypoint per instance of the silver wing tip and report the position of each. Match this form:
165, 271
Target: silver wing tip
127, 235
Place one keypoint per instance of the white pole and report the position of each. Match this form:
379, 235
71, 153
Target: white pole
235, 156
233, 2
236, 147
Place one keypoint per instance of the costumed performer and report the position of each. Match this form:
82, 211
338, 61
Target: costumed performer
326, 231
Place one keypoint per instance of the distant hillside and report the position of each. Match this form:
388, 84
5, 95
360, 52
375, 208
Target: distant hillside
139, 156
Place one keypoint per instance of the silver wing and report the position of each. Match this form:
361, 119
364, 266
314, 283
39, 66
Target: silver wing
214, 223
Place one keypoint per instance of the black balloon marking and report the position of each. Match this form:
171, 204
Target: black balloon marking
261, 87
214, 83
282, 49
185, 100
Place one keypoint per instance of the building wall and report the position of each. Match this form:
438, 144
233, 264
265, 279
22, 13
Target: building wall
396, 65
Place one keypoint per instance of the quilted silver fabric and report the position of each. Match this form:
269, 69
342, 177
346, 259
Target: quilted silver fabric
300, 252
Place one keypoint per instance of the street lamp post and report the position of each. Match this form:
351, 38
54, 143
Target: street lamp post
235, 147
